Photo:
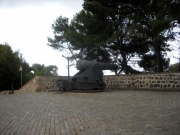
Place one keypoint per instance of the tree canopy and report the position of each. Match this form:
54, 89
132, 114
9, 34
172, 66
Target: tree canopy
42, 70
10, 62
119, 31
174, 67
9, 68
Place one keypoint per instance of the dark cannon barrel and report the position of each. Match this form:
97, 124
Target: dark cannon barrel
85, 64
107, 66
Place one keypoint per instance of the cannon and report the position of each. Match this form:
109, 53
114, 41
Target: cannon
89, 77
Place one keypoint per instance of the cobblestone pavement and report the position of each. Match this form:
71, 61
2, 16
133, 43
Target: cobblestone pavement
103, 113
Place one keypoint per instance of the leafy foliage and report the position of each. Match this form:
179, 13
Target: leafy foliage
147, 62
41, 70
9, 66
118, 31
174, 67
157, 19
9, 69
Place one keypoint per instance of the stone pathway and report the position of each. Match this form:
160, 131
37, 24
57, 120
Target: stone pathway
123, 112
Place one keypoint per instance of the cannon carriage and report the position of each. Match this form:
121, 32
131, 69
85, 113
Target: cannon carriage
89, 77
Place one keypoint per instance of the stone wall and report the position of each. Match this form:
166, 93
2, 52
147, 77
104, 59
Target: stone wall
41, 84
161, 81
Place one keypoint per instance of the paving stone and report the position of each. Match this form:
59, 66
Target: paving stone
102, 113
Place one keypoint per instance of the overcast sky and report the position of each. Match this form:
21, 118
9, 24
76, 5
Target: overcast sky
26, 24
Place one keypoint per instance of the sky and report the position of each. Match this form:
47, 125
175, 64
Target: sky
26, 24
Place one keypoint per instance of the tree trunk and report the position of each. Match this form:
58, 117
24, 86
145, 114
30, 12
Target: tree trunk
158, 60
125, 63
123, 55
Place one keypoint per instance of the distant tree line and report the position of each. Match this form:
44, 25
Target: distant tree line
9, 69
120, 32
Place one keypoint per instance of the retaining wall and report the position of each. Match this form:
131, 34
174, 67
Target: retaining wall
41, 84
159, 81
